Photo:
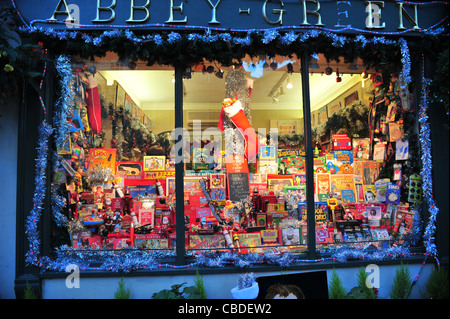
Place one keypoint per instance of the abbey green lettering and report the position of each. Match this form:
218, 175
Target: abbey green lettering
235, 15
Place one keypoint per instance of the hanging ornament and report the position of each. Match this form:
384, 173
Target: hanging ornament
93, 69
328, 71
210, 69
338, 77
273, 66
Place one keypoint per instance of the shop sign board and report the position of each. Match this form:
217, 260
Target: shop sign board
382, 17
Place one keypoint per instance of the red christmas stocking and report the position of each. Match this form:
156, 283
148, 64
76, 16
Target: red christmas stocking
233, 109
93, 106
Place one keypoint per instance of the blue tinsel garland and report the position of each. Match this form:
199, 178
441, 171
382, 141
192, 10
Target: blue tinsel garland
65, 101
427, 168
31, 224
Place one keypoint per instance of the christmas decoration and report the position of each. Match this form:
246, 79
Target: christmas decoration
31, 225
99, 175
93, 105
131, 137
426, 171
65, 101
226, 47
233, 110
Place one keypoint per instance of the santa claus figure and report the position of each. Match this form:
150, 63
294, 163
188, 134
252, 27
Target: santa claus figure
233, 109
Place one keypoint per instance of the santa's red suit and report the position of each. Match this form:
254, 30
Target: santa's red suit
233, 109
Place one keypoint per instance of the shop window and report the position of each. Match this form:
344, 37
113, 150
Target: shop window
115, 164
246, 119
244, 156
365, 157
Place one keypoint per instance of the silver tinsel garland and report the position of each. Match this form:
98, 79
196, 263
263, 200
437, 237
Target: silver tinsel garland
100, 175
236, 87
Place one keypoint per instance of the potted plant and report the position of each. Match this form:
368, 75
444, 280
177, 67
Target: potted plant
122, 292
437, 285
247, 287
180, 291
336, 290
401, 287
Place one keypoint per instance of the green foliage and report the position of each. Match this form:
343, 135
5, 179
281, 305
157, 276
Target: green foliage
362, 284
172, 293
177, 291
352, 118
356, 293
29, 293
437, 286
402, 283
122, 292
18, 60
361, 291
200, 287
337, 290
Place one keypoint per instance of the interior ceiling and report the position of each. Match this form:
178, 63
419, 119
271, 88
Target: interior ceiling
153, 89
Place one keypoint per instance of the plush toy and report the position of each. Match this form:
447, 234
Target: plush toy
233, 109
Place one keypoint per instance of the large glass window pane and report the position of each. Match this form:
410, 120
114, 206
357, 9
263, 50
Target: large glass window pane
245, 182
363, 135
115, 167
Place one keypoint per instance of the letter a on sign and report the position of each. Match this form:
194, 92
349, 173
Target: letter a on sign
73, 280
58, 8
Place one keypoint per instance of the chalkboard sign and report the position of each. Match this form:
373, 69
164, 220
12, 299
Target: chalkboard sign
238, 186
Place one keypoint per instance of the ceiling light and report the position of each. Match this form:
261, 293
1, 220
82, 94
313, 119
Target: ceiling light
365, 74
277, 89
289, 84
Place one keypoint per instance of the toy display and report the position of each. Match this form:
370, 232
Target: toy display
362, 192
